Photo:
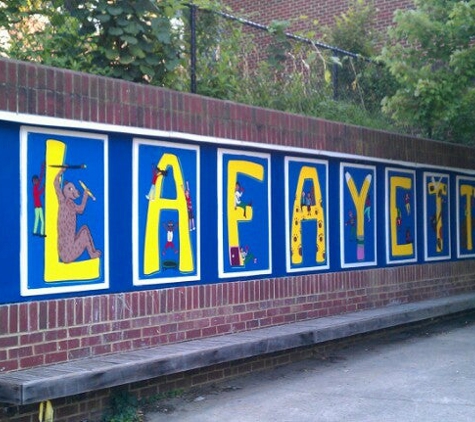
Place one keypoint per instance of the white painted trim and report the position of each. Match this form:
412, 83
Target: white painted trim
25, 290
387, 217
288, 258
221, 249
137, 281
374, 200
460, 179
448, 241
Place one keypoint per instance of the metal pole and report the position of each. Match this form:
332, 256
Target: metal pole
335, 75
193, 48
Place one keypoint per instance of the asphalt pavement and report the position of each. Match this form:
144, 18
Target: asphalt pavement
423, 373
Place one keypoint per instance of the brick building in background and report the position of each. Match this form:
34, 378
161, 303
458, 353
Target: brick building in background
324, 11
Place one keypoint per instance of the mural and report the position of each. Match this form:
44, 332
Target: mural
64, 222
306, 214
465, 216
244, 210
311, 214
357, 216
166, 212
437, 216
401, 216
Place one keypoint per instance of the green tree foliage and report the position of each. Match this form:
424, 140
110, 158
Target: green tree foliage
35, 30
133, 40
136, 40
221, 49
354, 29
359, 80
148, 41
431, 53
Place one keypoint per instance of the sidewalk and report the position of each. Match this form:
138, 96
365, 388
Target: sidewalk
424, 374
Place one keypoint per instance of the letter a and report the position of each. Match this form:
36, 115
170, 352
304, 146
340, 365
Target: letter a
151, 246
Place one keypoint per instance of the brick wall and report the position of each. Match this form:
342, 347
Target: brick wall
324, 11
56, 330
51, 331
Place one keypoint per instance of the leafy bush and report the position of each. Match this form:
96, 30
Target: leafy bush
432, 56
149, 42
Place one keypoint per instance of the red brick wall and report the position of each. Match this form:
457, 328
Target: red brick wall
49, 331
324, 11
46, 332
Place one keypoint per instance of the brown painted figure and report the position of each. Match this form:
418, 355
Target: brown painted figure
71, 244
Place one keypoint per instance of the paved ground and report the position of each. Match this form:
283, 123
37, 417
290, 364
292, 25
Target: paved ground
423, 374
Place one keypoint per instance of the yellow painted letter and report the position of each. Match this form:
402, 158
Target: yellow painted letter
237, 209
312, 210
398, 182
438, 189
359, 199
54, 269
153, 225
468, 191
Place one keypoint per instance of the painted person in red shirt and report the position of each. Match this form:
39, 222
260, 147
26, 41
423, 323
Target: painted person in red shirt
38, 190
189, 206
155, 173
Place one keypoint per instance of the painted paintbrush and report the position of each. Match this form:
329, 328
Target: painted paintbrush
69, 166
86, 189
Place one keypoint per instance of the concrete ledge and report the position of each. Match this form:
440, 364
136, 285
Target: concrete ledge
67, 379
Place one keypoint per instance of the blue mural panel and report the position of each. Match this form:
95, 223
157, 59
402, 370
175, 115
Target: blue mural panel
401, 216
244, 213
357, 216
64, 232
306, 214
437, 243
166, 212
